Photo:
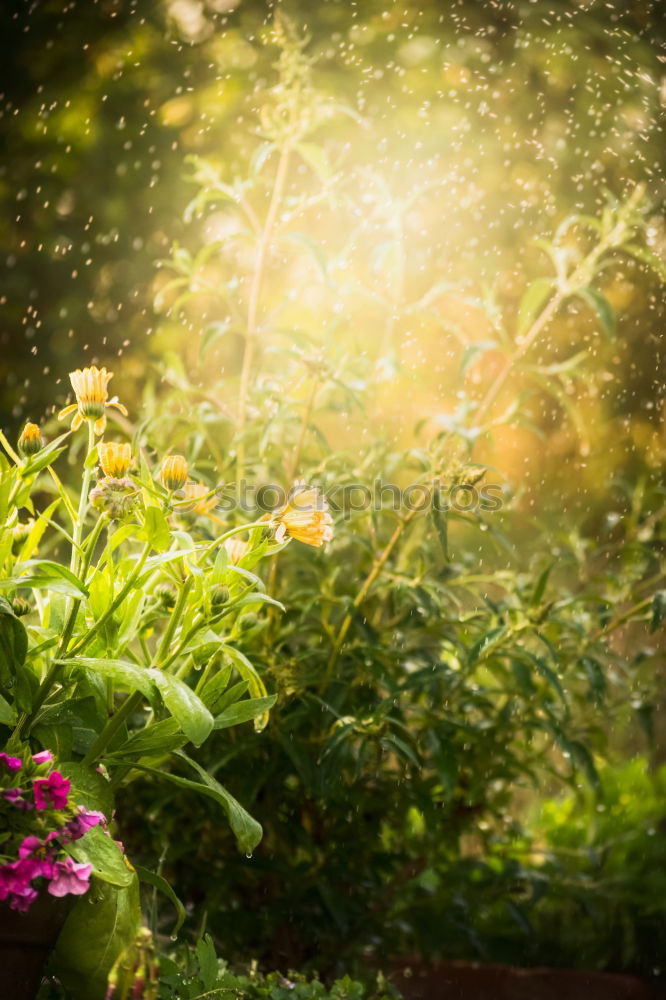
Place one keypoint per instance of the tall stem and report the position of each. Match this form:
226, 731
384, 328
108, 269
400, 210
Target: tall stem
254, 298
578, 278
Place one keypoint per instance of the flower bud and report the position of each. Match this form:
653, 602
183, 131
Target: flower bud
219, 596
117, 497
115, 458
174, 472
30, 441
248, 621
21, 607
166, 595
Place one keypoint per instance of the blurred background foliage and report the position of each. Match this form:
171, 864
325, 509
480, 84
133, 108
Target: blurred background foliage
409, 782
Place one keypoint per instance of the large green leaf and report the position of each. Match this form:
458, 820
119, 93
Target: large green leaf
101, 851
186, 707
247, 831
127, 676
102, 924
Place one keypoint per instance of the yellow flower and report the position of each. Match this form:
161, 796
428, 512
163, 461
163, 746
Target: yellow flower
115, 458
236, 548
92, 398
174, 472
30, 441
305, 517
196, 495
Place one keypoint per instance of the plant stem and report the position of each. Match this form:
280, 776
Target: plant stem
253, 300
367, 584
575, 280
113, 725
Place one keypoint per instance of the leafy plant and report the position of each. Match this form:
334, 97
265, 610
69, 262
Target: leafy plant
120, 659
449, 659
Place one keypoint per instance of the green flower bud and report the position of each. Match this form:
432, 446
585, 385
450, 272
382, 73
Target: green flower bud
219, 595
166, 595
21, 607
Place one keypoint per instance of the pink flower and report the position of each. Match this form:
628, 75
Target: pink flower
16, 876
55, 787
43, 757
23, 900
77, 827
70, 878
13, 795
29, 845
11, 763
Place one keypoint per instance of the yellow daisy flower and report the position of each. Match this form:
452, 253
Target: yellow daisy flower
236, 549
305, 517
115, 458
92, 398
197, 499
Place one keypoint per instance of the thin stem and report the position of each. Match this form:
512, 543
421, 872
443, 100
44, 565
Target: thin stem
254, 297
367, 584
579, 277
176, 615
112, 727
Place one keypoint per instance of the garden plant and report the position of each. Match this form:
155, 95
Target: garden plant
332, 645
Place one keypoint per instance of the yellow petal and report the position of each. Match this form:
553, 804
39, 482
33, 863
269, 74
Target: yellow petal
100, 425
67, 410
77, 421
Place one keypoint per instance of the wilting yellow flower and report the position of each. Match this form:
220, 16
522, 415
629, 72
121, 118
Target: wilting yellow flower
305, 517
92, 397
174, 472
30, 441
236, 549
196, 495
115, 458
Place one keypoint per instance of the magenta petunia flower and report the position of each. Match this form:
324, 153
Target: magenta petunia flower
77, 827
43, 757
11, 763
29, 845
71, 878
23, 900
55, 788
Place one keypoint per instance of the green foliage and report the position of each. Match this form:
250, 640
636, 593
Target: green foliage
203, 974
434, 668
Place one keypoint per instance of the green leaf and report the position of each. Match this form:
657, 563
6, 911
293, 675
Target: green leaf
209, 967
128, 676
100, 850
247, 831
49, 571
161, 884
256, 686
243, 711
102, 924
155, 529
533, 298
89, 787
13, 642
186, 707
154, 740
602, 307
7, 713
